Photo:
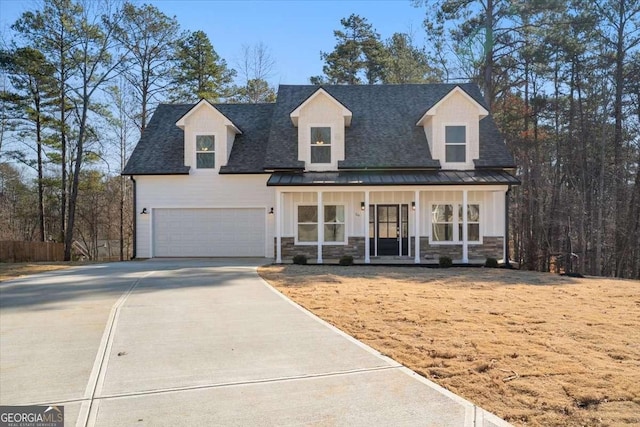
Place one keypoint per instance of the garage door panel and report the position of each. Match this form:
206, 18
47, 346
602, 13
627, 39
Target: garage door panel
208, 232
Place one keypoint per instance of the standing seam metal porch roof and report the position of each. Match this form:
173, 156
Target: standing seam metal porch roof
373, 178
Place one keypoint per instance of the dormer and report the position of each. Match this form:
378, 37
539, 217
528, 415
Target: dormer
452, 128
321, 121
208, 137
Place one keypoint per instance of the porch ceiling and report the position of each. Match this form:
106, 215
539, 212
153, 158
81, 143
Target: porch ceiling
362, 178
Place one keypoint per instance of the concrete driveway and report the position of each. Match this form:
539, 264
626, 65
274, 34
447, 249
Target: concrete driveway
198, 342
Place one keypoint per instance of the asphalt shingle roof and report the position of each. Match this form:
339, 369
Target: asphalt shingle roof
383, 132
493, 150
160, 150
254, 120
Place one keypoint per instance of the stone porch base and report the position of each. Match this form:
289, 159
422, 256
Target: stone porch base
491, 247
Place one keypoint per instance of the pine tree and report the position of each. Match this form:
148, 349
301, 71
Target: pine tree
200, 73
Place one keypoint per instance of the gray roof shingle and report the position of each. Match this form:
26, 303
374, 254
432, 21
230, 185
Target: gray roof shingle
161, 147
493, 150
160, 150
254, 120
383, 132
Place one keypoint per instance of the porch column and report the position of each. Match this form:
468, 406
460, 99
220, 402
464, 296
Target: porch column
505, 249
367, 241
416, 227
465, 232
278, 226
320, 226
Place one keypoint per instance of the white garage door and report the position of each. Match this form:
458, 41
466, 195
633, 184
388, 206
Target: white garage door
208, 232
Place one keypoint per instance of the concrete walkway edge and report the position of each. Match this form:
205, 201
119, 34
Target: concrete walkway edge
474, 415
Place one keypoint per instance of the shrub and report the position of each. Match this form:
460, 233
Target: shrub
445, 262
346, 260
491, 263
300, 259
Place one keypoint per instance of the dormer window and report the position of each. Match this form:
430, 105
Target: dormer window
205, 152
455, 140
320, 145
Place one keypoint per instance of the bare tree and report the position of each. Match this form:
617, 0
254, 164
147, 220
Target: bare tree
255, 66
150, 37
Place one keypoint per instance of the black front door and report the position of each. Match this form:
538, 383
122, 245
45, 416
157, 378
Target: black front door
387, 229
392, 223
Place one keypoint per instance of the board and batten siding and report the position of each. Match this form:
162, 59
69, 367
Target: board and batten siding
491, 211
205, 120
200, 191
321, 112
455, 110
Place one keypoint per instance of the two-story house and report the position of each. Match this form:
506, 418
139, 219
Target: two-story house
412, 171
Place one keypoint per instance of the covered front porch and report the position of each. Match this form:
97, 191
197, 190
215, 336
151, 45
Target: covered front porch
387, 223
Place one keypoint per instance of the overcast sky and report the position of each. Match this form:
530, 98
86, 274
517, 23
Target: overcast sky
294, 31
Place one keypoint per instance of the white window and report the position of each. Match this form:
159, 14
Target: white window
442, 223
205, 151
473, 223
307, 224
455, 143
447, 227
321, 145
334, 225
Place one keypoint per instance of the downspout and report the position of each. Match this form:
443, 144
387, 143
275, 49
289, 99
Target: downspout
507, 264
135, 217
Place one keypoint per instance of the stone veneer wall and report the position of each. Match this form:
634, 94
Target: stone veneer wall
491, 247
429, 251
289, 249
354, 247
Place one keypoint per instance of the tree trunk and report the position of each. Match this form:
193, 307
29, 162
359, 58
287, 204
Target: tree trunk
68, 240
63, 149
488, 55
42, 234
618, 180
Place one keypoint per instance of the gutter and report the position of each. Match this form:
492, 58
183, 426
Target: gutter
135, 216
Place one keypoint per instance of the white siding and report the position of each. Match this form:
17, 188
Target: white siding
321, 112
491, 202
455, 110
201, 191
206, 120
491, 208
351, 201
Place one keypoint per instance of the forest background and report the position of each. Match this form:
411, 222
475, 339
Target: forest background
80, 79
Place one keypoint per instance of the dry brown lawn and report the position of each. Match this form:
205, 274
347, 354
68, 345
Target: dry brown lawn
19, 269
536, 349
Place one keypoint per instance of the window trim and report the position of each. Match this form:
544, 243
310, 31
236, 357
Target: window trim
330, 145
195, 151
466, 142
297, 223
343, 223
460, 224
297, 242
453, 224
456, 224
